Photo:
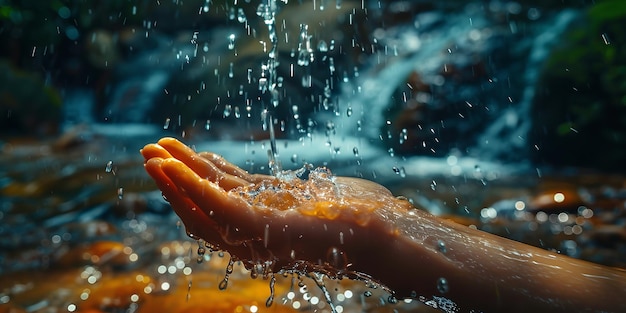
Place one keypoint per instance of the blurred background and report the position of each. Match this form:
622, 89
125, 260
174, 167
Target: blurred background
507, 116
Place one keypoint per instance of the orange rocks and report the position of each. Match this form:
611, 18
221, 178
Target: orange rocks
98, 253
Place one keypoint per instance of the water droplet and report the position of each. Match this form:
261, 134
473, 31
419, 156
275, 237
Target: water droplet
231, 42
166, 125
256, 269
349, 111
355, 150
109, 167
322, 46
120, 193
224, 283
227, 110
241, 16
201, 252
294, 158
207, 126
441, 246
266, 235
392, 300
367, 293
442, 285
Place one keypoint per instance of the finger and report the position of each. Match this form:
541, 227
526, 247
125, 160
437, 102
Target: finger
209, 196
225, 166
203, 167
233, 169
197, 224
154, 151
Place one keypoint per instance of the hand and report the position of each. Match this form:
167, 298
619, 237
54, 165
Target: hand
320, 223
356, 228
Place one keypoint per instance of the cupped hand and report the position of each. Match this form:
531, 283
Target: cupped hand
290, 222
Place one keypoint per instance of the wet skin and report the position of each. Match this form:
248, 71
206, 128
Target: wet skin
349, 227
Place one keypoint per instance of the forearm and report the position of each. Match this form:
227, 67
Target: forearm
484, 272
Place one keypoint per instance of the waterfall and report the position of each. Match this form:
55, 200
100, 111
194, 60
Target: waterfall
506, 135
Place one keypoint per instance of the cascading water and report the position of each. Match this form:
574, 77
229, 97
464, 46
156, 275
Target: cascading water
505, 136
425, 45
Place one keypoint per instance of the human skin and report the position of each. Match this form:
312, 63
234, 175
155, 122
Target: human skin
349, 227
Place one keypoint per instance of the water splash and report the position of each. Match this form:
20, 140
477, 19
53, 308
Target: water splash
318, 278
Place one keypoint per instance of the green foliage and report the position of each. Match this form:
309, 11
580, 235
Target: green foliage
580, 110
27, 104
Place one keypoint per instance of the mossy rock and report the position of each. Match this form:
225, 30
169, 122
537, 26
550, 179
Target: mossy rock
579, 113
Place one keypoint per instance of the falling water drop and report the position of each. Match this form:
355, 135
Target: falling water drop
207, 126
109, 167
224, 283
270, 299
349, 111
231, 42
120, 193
322, 46
201, 251
166, 125
266, 235
338, 4
355, 150
367, 293
229, 270
241, 16
227, 110
442, 285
